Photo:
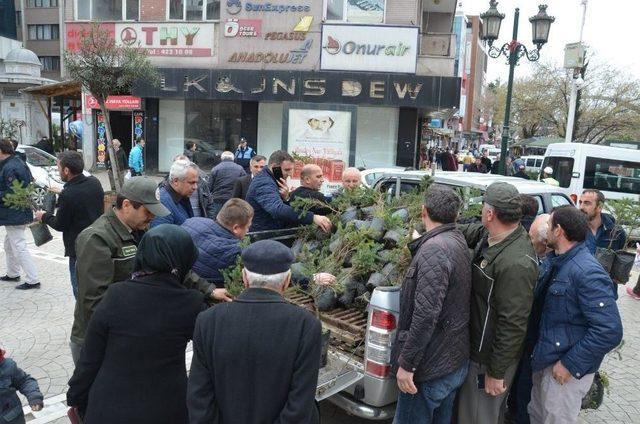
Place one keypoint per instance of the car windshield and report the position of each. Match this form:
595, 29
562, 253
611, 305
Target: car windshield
37, 157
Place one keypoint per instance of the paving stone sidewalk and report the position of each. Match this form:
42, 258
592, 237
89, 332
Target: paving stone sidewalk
35, 327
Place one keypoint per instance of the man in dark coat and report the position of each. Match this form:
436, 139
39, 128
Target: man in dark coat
80, 203
13, 169
241, 187
223, 179
175, 194
311, 179
218, 241
477, 166
267, 197
256, 359
431, 354
521, 173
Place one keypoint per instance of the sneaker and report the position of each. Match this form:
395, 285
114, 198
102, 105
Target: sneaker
27, 286
631, 293
12, 279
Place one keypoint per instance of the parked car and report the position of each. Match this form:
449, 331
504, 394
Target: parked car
44, 169
369, 176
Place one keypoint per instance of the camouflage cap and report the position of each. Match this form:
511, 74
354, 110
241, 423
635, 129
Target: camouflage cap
503, 196
144, 190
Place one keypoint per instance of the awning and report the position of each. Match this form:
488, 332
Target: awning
64, 88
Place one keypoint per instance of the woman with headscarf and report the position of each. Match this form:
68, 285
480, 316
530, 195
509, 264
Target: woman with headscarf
132, 368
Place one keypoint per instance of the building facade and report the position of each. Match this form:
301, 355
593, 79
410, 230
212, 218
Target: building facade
474, 82
346, 83
38, 27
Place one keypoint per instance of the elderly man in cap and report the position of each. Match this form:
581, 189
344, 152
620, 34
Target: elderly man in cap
105, 250
256, 360
504, 272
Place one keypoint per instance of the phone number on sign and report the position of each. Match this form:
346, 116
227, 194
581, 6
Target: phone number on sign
179, 52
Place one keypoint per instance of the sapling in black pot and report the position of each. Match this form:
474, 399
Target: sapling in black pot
627, 214
25, 197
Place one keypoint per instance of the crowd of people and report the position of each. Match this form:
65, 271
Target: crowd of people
516, 329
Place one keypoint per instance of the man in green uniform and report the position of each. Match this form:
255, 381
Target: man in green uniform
107, 248
504, 273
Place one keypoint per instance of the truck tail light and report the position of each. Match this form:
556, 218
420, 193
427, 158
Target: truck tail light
380, 337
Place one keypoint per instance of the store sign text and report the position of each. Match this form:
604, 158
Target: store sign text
114, 102
277, 8
243, 28
334, 46
295, 56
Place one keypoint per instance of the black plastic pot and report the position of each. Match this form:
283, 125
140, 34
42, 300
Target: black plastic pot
299, 275
368, 211
335, 245
326, 299
325, 339
40, 233
296, 248
392, 238
605, 257
403, 214
621, 267
351, 214
595, 395
377, 227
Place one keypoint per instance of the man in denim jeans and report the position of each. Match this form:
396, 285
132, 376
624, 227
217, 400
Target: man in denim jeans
431, 354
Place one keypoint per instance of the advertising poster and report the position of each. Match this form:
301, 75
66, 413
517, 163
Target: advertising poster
322, 137
101, 139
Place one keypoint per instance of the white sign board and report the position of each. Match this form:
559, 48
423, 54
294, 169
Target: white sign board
181, 39
372, 48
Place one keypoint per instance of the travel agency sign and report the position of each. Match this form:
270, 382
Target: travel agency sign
371, 48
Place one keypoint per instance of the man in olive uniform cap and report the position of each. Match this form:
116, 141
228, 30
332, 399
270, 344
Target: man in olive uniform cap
504, 272
106, 249
256, 359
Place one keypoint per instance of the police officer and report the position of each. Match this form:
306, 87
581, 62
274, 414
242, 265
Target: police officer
106, 249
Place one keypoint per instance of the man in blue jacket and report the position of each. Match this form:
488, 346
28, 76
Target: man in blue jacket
244, 154
218, 241
268, 197
12, 169
603, 231
183, 182
136, 161
577, 319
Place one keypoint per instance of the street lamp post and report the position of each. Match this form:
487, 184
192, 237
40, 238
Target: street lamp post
513, 51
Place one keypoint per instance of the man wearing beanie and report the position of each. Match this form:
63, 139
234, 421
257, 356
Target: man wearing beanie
504, 272
256, 359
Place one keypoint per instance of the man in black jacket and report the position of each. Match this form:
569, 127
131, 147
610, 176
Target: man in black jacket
311, 180
242, 185
431, 354
256, 359
80, 203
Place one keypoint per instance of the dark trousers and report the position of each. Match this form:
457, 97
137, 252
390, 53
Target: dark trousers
73, 276
135, 173
433, 404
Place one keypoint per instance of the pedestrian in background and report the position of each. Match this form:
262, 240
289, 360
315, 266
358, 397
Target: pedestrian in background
176, 192
530, 208
577, 319
12, 380
431, 354
218, 241
603, 231
244, 154
504, 273
241, 186
121, 156
223, 179
256, 359
190, 150
80, 203
106, 250
136, 159
132, 365
17, 255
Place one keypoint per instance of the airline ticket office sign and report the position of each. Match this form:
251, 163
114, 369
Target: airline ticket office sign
371, 48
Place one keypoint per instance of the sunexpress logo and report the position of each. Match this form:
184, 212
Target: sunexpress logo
277, 8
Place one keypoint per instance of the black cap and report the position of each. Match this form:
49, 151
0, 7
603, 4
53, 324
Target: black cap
267, 257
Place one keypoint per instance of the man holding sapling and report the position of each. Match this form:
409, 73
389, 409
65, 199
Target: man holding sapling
268, 196
256, 359
431, 354
311, 180
603, 231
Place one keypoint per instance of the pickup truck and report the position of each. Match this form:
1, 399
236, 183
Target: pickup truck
357, 377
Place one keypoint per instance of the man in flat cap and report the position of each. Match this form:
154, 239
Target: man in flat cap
256, 359
504, 272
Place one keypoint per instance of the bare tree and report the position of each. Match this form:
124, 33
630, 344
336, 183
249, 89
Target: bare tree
104, 68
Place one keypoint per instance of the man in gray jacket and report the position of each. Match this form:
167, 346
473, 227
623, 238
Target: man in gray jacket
431, 353
223, 179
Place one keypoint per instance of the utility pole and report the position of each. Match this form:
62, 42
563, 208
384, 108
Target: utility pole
574, 86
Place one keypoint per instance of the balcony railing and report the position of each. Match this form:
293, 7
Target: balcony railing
437, 44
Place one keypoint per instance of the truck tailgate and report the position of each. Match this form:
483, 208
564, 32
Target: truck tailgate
341, 372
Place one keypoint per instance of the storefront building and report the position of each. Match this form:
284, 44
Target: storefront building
346, 84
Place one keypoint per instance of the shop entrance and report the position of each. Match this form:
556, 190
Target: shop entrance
121, 128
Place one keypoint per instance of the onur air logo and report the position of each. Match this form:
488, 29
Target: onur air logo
334, 46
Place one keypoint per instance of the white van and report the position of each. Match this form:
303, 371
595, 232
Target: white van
532, 163
614, 171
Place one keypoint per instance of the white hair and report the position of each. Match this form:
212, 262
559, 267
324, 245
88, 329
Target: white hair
226, 156
354, 171
273, 281
180, 168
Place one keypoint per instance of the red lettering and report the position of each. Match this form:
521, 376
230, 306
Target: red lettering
149, 34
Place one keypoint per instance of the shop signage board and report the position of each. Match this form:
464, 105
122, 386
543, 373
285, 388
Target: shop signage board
114, 102
243, 28
137, 124
180, 39
370, 48
101, 138
402, 90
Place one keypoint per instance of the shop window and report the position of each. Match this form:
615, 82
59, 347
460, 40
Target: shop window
193, 10
376, 137
42, 3
18, 18
50, 63
44, 32
356, 11
108, 10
